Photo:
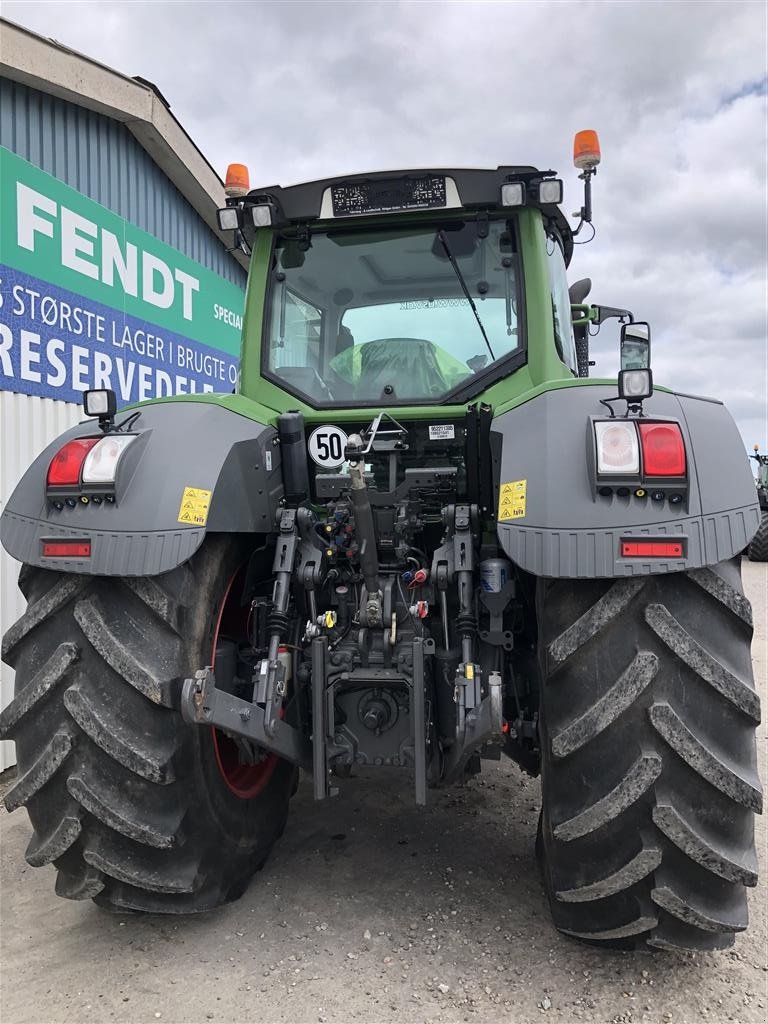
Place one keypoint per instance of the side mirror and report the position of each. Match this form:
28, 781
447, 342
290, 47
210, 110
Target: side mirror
636, 346
635, 378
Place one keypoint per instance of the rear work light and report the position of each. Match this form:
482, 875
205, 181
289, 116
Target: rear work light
663, 449
64, 470
101, 462
651, 549
66, 549
617, 448
513, 193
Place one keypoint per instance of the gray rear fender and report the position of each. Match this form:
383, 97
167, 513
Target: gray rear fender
568, 530
180, 445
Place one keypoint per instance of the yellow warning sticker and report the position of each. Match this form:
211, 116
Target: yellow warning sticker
194, 506
512, 499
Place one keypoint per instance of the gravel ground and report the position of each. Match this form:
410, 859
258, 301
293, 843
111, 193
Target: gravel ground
372, 911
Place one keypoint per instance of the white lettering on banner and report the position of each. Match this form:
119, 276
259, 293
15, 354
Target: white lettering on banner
189, 285
228, 316
75, 247
28, 202
200, 362
139, 341
52, 350
102, 367
80, 368
57, 313
30, 344
6, 344
96, 252
57, 366
112, 259
151, 266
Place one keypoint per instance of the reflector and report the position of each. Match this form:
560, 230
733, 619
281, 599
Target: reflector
651, 549
66, 548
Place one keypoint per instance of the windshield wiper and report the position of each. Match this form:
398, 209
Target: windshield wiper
460, 278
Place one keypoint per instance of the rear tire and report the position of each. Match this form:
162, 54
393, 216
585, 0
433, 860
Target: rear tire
758, 546
649, 771
125, 798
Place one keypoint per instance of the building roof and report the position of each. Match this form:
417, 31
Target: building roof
53, 68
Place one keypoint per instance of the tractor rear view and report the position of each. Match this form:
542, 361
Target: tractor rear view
758, 546
418, 537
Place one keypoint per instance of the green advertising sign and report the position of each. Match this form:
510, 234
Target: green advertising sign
85, 296
52, 232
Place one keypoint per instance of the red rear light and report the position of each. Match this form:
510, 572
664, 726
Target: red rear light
64, 470
66, 549
651, 549
663, 449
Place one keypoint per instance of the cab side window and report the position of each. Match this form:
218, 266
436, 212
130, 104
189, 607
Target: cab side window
296, 329
561, 303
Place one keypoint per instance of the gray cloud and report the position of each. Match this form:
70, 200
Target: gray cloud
677, 91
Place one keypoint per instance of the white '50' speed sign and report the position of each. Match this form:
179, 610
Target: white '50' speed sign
326, 447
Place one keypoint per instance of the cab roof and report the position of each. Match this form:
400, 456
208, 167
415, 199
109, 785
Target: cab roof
412, 190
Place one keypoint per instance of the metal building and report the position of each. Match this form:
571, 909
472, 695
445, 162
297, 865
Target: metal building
112, 269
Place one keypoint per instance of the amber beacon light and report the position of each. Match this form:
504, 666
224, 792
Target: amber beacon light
237, 182
586, 149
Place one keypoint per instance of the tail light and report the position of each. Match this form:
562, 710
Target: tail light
617, 448
66, 464
101, 462
663, 449
88, 461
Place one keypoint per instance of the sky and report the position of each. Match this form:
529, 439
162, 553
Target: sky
678, 92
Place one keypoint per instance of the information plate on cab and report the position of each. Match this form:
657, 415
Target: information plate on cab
388, 194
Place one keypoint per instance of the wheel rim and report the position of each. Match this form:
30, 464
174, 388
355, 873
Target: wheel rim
245, 781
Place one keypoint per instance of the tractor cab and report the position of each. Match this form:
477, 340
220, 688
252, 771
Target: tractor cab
405, 288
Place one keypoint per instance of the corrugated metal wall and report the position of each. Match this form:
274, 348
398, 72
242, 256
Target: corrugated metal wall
101, 159
27, 425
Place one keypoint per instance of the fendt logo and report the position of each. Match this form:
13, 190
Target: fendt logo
97, 253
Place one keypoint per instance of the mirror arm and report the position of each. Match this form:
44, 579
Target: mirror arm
606, 312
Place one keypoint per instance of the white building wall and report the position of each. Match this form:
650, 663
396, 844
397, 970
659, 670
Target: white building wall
27, 425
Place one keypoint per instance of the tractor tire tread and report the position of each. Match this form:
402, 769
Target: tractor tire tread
757, 550
649, 776
125, 799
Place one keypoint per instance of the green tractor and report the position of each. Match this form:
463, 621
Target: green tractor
758, 546
416, 537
